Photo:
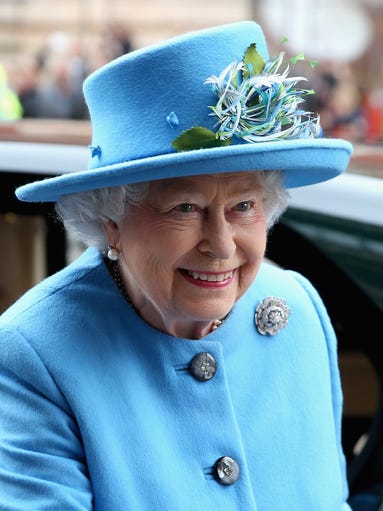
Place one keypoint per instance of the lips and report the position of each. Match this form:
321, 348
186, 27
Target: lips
208, 278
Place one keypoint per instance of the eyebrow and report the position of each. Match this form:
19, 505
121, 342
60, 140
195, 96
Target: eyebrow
190, 186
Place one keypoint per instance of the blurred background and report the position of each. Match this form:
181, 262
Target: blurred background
47, 48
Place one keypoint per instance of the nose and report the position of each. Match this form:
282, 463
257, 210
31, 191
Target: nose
218, 239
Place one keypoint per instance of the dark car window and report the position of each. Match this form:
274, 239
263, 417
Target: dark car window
355, 247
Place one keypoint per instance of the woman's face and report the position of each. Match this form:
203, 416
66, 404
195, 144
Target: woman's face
191, 249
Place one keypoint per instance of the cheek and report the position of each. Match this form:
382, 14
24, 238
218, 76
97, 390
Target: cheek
254, 250
254, 242
156, 246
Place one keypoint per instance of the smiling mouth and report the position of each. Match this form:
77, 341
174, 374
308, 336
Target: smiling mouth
210, 276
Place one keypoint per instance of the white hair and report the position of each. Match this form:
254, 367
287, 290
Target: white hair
84, 213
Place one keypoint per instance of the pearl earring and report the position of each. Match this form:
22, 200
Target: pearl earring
113, 254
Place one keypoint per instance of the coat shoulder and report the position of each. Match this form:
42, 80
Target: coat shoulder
274, 279
299, 294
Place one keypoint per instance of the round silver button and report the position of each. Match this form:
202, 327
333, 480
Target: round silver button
226, 470
203, 366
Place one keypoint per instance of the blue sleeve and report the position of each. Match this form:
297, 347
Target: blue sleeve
337, 395
42, 461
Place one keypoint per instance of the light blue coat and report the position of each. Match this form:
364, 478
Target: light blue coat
99, 411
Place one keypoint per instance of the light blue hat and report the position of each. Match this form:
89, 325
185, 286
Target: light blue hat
206, 102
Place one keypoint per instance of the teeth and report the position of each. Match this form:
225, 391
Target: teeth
210, 277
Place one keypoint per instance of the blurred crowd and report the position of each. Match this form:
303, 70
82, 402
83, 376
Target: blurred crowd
347, 108
49, 85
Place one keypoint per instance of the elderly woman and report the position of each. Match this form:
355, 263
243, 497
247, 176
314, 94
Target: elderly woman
169, 367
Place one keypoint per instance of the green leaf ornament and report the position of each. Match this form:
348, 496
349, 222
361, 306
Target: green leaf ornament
254, 63
295, 59
198, 138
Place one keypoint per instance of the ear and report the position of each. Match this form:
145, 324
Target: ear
112, 233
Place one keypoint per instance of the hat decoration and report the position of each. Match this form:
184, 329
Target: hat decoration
256, 103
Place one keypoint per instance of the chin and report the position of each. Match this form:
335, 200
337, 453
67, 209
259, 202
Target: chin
212, 311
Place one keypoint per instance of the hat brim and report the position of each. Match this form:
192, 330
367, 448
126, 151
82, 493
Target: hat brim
303, 162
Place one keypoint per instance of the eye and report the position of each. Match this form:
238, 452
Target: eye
244, 206
185, 207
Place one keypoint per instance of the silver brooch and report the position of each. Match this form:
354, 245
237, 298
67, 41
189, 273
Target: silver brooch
271, 315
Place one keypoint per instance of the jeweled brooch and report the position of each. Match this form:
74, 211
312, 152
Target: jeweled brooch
271, 315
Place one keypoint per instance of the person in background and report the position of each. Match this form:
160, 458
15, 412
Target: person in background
10, 107
170, 367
